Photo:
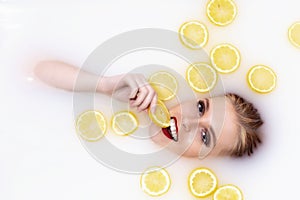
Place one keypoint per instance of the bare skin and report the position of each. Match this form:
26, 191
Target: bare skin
204, 127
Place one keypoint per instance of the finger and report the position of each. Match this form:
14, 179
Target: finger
143, 92
153, 103
134, 90
134, 93
136, 82
147, 101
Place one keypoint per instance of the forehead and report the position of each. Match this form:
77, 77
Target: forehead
224, 122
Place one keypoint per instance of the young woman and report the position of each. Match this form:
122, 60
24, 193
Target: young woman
223, 125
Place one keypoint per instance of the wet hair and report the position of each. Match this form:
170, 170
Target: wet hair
249, 121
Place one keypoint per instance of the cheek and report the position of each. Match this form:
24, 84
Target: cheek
194, 149
157, 136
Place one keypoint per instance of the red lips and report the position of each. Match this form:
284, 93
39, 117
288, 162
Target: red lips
167, 131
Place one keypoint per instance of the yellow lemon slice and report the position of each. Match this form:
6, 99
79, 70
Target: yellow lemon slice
201, 77
228, 192
202, 182
193, 34
221, 12
91, 125
124, 123
225, 58
261, 79
165, 85
155, 181
294, 34
161, 116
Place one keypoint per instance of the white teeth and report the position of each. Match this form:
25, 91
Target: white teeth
173, 129
172, 122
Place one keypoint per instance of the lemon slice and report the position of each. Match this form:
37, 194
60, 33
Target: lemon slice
228, 192
221, 12
294, 34
201, 77
165, 85
161, 116
202, 182
261, 79
124, 123
91, 125
155, 181
225, 58
193, 34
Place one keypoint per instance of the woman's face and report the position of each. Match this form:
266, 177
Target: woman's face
199, 128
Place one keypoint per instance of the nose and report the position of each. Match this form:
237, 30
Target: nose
185, 125
193, 122
190, 123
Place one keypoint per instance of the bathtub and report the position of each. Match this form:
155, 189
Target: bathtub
42, 157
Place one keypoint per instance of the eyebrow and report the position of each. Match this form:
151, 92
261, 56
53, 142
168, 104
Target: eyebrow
212, 132
206, 103
210, 129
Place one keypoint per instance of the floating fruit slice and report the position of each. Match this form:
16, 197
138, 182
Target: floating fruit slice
201, 77
225, 58
155, 181
294, 34
165, 85
261, 79
193, 34
202, 182
161, 116
124, 123
228, 192
91, 125
221, 12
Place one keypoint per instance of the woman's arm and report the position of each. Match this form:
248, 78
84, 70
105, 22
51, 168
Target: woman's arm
62, 75
129, 87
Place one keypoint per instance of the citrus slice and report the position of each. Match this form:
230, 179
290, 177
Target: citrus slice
124, 123
161, 116
155, 181
165, 85
294, 34
193, 34
261, 79
221, 12
225, 58
91, 125
228, 192
201, 77
202, 182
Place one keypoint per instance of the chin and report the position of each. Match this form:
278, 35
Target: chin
157, 136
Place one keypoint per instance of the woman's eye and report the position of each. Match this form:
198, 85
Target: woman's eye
205, 137
201, 107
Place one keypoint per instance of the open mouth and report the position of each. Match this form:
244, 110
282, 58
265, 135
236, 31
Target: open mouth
171, 132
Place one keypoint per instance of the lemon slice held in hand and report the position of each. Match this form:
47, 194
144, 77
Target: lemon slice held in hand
202, 182
228, 192
161, 115
201, 77
221, 12
155, 181
294, 34
164, 84
91, 125
193, 34
261, 79
225, 58
124, 123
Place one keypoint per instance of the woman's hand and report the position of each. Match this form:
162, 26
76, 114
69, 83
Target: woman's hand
132, 88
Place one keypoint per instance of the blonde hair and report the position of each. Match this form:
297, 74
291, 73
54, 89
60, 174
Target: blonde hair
249, 121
